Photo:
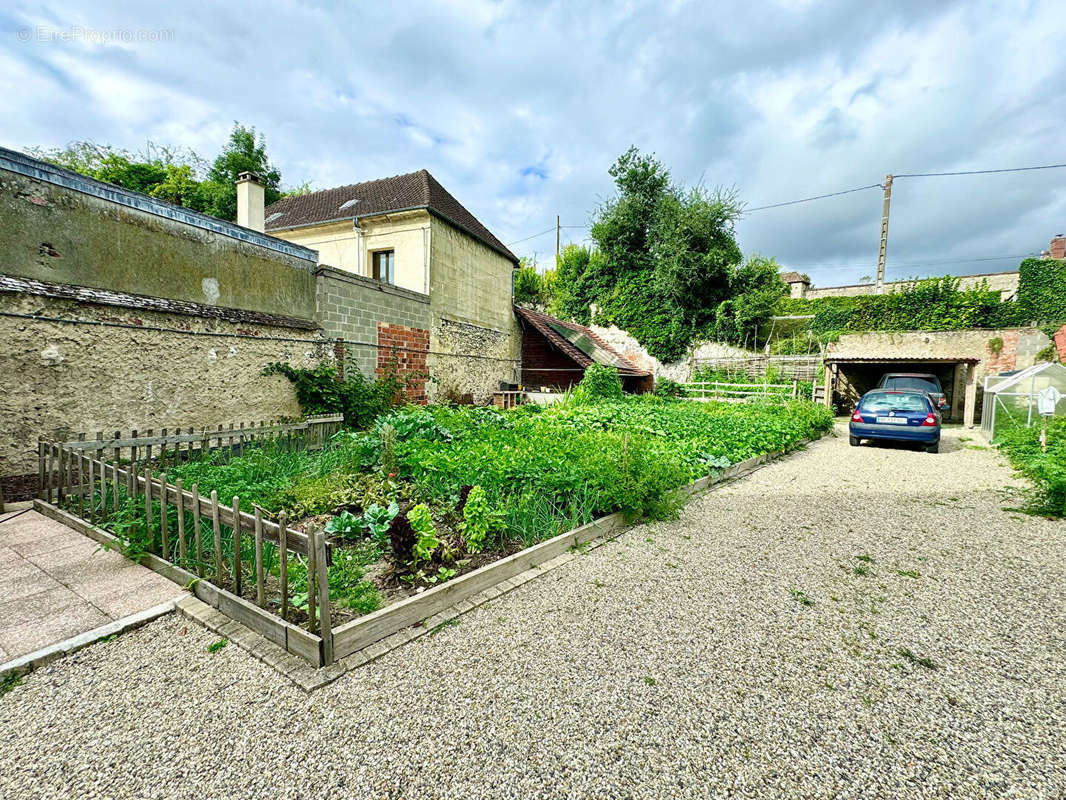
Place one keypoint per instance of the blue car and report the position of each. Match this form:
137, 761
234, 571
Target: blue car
898, 415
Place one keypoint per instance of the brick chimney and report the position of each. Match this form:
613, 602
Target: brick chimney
250, 200
1058, 246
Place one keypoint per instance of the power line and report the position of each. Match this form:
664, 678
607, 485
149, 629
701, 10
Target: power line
816, 197
552, 228
977, 171
918, 263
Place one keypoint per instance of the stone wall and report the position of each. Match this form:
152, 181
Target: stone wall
474, 338
73, 366
351, 307
681, 371
60, 227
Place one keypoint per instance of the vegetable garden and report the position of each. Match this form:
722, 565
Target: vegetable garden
428, 493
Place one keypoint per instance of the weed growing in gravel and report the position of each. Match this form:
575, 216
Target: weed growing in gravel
650, 680
448, 623
801, 597
865, 557
861, 570
214, 647
922, 661
9, 682
908, 573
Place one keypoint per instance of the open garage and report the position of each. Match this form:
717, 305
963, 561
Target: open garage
848, 378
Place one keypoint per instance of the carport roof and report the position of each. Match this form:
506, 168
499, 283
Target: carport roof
832, 358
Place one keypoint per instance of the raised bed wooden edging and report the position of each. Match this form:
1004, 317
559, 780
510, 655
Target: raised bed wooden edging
270, 626
365, 631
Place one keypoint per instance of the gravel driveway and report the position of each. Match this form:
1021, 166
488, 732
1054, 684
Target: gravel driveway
850, 622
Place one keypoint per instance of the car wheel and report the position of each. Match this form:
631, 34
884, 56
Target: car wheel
853, 441
933, 448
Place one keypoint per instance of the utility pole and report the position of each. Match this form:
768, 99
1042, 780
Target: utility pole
880, 286
557, 228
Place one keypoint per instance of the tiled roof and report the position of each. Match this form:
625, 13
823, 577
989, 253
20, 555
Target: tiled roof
370, 198
793, 277
545, 325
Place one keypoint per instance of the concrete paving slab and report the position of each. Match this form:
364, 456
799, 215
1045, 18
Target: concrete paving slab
61, 624
56, 584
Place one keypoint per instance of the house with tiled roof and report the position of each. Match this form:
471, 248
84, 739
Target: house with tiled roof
409, 236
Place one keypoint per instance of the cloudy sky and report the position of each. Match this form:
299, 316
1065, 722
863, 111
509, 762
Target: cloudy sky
519, 108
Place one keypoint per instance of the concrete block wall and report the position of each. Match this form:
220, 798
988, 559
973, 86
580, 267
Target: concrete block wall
352, 308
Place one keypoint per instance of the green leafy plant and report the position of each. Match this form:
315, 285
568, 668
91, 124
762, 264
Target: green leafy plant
664, 387
426, 543
378, 520
214, 647
600, 382
995, 345
345, 524
478, 520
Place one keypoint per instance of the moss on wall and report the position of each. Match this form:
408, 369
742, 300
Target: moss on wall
56, 234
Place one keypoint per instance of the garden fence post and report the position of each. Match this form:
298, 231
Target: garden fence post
236, 546
324, 609
40, 469
283, 563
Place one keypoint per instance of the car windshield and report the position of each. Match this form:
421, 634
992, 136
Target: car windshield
912, 382
889, 401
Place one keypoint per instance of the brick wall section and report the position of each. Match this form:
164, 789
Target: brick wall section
1060, 342
408, 348
350, 307
1007, 358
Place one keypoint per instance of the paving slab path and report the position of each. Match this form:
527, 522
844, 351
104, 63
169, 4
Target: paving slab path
865, 622
56, 583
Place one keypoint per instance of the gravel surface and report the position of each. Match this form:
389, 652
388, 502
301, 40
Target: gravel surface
744, 650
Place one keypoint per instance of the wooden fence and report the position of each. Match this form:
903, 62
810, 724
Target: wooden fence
245, 559
801, 368
718, 390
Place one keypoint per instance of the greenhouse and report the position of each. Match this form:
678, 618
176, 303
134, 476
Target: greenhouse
1021, 397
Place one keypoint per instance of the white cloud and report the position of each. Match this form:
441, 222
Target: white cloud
797, 100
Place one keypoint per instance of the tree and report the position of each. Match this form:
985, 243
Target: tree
529, 285
177, 175
245, 152
754, 291
663, 262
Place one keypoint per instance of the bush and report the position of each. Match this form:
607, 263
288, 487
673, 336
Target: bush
1046, 469
1041, 290
320, 391
600, 382
664, 387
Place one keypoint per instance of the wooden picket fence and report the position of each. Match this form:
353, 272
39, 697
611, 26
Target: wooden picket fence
718, 390
121, 481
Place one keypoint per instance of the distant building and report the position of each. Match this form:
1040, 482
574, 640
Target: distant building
1006, 283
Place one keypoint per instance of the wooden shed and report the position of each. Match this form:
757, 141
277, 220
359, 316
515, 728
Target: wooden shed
555, 354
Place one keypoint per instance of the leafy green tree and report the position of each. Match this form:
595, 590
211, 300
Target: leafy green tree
754, 291
529, 289
177, 175
663, 262
245, 152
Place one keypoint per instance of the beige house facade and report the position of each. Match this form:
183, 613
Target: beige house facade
410, 233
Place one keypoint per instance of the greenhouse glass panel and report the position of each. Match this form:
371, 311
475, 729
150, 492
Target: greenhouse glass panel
1013, 399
